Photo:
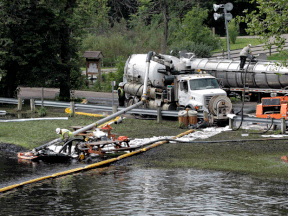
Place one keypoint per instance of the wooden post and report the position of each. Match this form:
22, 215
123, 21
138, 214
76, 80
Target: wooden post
87, 81
32, 105
283, 126
42, 97
19, 104
270, 50
72, 107
99, 71
159, 115
19, 115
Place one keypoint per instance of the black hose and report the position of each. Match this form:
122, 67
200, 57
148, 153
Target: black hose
69, 142
213, 141
268, 128
243, 99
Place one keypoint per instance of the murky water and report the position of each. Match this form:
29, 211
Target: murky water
137, 191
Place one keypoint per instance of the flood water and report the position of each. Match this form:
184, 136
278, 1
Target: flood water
136, 191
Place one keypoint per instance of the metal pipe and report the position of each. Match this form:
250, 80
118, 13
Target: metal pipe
149, 56
92, 125
227, 32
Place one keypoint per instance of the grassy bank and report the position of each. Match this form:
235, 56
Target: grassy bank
31, 134
254, 157
239, 44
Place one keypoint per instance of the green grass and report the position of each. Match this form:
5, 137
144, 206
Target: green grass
134, 128
240, 43
258, 158
31, 134
279, 57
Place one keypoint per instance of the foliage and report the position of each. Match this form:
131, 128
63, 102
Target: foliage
41, 49
42, 111
92, 15
120, 41
108, 78
193, 28
233, 30
160, 13
269, 21
201, 50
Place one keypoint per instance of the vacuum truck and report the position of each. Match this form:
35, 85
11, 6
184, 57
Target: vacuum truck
262, 77
173, 85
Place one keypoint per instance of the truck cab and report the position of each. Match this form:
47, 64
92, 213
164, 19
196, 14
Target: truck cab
196, 90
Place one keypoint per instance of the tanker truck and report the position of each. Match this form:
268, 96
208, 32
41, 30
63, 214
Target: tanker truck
262, 77
172, 85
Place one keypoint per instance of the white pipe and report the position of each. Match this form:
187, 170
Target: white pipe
149, 56
92, 125
34, 119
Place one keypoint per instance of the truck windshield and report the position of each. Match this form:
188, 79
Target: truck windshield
200, 84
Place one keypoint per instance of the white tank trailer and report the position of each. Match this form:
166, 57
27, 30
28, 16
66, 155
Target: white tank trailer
262, 76
173, 85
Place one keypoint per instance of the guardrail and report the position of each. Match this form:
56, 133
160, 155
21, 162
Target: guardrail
167, 113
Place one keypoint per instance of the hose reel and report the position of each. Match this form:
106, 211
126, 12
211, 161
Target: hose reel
220, 106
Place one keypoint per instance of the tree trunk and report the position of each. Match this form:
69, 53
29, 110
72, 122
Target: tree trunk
66, 54
165, 23
9, 82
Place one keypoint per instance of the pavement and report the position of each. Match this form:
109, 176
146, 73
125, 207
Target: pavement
104, 98
97, 98
51, 93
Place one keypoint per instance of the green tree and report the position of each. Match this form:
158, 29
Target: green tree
193, 29
269, 21
92, 15
233, 30
160, 12
41, 45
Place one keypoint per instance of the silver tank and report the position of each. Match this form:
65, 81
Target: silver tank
261, 74
134, 71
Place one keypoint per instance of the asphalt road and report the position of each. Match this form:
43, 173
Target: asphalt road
99, 98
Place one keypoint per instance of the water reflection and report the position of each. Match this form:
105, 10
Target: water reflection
134, 191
